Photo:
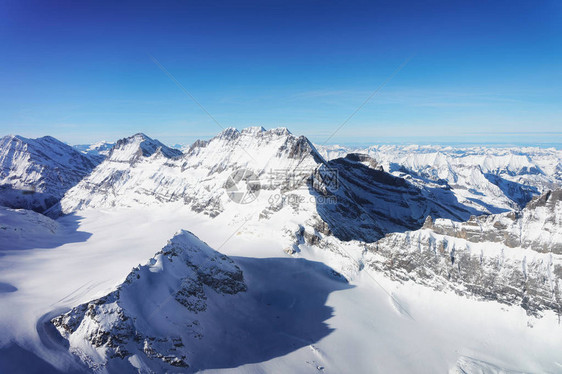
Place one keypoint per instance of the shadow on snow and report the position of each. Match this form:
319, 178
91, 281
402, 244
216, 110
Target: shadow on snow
283, 310
67, 232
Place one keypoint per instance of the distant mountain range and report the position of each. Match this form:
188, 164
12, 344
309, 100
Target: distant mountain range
497, 179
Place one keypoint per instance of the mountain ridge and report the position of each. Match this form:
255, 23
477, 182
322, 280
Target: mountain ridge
288, 167
35, 173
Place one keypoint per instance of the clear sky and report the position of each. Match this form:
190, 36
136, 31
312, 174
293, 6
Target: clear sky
479, 71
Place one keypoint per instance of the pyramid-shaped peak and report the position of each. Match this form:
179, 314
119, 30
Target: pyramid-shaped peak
280, 131
140, 135
140, 145
228, 133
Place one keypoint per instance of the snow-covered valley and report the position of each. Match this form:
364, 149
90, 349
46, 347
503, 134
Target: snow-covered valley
383, 271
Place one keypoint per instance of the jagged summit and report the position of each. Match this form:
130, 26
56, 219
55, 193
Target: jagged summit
253, 145
140, 135
255, 131
228, 133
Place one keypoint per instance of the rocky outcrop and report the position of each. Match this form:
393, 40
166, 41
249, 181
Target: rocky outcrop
512, 258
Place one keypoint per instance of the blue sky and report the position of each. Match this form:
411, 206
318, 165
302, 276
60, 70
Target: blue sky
479, 72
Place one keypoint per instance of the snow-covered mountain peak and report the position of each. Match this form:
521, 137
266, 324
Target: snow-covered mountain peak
228, 133
177, 287
44, 140
140, 135
48, 138
11, 138
281, 131
258, 130
140, 145
252, 147
188, 177
231, 133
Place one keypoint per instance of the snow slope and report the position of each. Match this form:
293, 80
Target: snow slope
19, 227
22, 229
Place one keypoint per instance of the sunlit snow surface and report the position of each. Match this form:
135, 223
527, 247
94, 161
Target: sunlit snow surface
420, 330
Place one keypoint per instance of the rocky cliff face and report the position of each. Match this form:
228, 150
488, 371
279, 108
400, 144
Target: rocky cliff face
35, 173
537, 227
375, 201
158, 312
514, 258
